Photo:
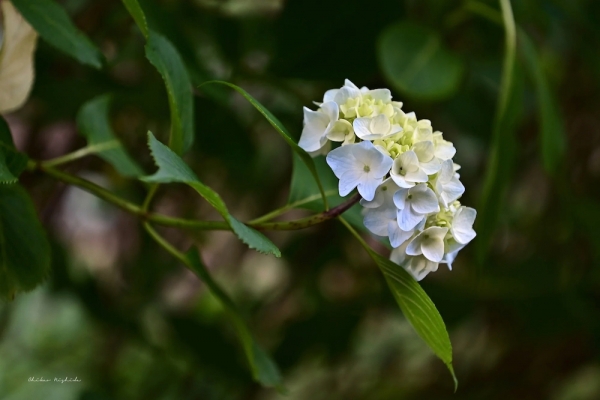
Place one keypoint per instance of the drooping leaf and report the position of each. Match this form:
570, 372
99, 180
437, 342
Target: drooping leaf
264, 369
94, 124
414, 60
138, 15
54, 25
275, 123
165, 57
416, 306
552, 132
502, 153
171, 168
12, 162
24, 249
16, 59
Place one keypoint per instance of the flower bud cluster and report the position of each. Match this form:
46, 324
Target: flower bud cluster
403, 170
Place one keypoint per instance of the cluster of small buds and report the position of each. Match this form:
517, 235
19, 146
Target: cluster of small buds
402, 169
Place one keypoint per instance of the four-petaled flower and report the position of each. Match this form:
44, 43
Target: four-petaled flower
414, 204
359, 166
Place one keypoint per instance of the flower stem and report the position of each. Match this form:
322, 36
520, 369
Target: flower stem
91, 149
142, 212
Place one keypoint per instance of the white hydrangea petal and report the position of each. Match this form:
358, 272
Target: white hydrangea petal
381, 94
346, 93
376, 222
424, 151
418, 176
348, 181
398, 255
361, 127
424, 200
453, 190
431, 167
444, 150
462, 225
340, 130
368, 185
341, 160
433, 249
400, 198
330, 95
446, 171
331, 110
396, 234
408, 218
380, 125
414, 246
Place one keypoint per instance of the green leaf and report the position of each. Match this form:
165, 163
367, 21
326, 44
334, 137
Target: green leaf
264, 369
94, 124
54, 25
171, 168
415, 304
552, 131
164, 56
275, 123
12, 162
418, 309
414, 60
24, 249
138, 15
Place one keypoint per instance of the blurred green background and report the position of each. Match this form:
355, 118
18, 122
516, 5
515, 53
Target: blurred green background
131, 323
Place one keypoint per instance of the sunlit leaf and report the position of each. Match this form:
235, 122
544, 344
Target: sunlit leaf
552, 131
54, 25
415, 61
171, 168
275, 123
94, 123
264, 369
24, 249
16, 59
416, 306
12, 162
165, 57
138, 15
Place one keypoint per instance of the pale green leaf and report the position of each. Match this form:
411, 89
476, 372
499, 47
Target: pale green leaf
275, 123
264, 369
138, 15
94, 124
416, 305
12, 162
54, 25
171, 168
415, 61
552, 131
24, 248
165, 57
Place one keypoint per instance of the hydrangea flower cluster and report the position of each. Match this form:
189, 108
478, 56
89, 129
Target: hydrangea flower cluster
402, 169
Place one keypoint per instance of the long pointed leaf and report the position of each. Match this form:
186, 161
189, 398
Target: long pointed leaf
275, 123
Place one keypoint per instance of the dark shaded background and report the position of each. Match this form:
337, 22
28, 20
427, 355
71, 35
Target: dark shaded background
121, 315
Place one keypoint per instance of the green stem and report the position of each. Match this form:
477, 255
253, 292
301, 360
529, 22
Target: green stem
142, 212
356, 235
91, 149
275, 213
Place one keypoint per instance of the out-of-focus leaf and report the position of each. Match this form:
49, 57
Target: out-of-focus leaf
171, 168
303, 155
165, 57
12, 162
414, 60
16, 59
416, 306
94, 124
54, 25
264, 369
138, 15
501, 158
24, 249
552, 132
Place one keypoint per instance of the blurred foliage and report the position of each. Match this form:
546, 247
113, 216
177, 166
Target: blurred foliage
131, 323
